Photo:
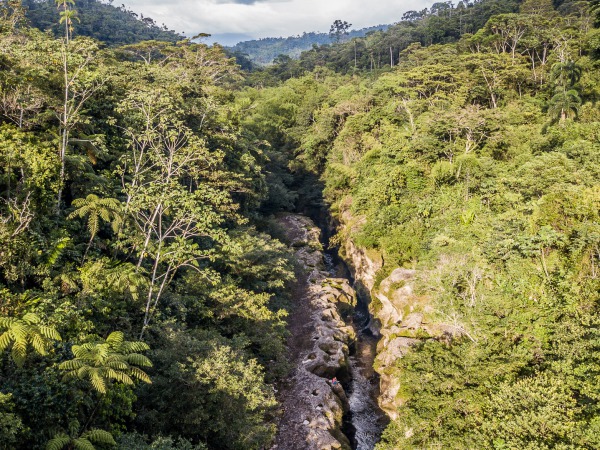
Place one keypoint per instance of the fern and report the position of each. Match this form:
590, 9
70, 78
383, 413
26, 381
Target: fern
96, 208
59, 442
112, 360
84, 442
100, 437
115, 339
57, 251
23, 332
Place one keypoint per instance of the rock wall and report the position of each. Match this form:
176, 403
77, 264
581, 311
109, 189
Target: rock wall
399, 316
313, 407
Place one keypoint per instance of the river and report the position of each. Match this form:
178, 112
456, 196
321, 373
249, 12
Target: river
365, 422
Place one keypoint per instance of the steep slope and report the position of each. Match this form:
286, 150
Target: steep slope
466, 183
114, 25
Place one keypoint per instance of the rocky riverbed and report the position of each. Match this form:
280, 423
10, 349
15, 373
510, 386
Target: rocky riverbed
316, 412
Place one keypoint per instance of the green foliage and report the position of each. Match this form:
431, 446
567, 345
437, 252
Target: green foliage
161, 186
97, 208
84, 442
11, 425
115, 359
449, 165
18, 334
133, 441
115, 25
225, 391
269, 50
474, 161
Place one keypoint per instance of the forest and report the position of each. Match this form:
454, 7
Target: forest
144, 287
265, 51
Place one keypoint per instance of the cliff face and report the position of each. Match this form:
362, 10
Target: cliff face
400, 316
313, 407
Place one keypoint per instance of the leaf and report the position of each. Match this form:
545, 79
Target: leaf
58, 442
115, 338
39, 344
19, 353
49, 332
31, 319
5, 340
138, 360
140, 375
98, 382
100, 437
83, 444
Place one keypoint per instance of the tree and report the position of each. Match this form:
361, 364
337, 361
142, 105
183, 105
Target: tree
83, 441
535, 412
12, 14
339, 29
172, 198
96, 208
103, 362
80, 82
566, 101
28, 330
564, 104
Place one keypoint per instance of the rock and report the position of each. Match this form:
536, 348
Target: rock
395, 349
399, 315
317, 406
388, 401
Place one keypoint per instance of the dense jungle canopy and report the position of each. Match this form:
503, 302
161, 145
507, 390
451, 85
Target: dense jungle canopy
144, 289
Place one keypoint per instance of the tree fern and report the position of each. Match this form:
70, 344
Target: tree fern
85, 441
24, 332
96, 208
113, 360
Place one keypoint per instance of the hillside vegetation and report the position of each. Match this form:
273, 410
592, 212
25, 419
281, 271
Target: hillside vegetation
143, 297
265, 51
140, 298
477, 164
113, 25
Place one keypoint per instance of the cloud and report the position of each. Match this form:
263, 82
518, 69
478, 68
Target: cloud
270, 18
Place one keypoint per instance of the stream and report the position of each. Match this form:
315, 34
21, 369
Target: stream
365, 422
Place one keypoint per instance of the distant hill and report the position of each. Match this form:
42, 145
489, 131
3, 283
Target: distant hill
103, 21
264, 51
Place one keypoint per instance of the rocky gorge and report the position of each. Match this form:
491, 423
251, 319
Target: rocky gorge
352, 327
317, 412
399, 316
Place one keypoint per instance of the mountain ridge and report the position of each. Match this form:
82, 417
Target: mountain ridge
263, 51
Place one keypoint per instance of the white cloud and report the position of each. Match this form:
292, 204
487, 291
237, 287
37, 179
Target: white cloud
270, 18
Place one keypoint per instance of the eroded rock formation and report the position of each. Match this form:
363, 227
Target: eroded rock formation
400, 316
313, 407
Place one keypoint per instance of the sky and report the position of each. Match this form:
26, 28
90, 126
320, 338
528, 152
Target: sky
230, 21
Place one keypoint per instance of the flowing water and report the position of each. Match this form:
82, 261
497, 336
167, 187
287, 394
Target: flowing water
365, 421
